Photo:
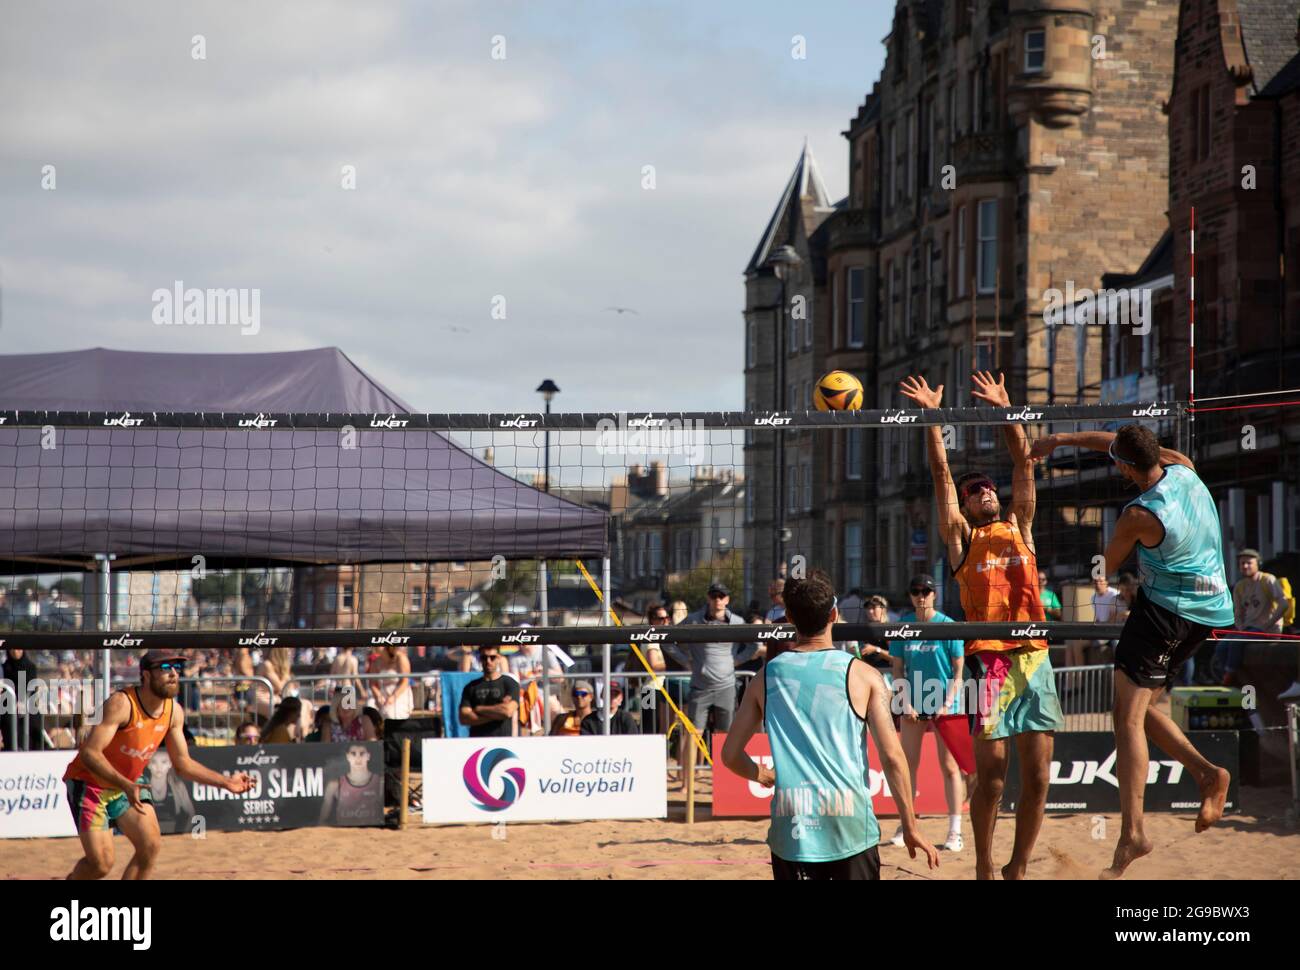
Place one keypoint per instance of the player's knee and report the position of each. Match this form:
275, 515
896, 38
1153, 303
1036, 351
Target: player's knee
99, 863
990, 787
1034, 780
146, 851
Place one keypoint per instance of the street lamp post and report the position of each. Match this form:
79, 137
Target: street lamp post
784, 262
548, 390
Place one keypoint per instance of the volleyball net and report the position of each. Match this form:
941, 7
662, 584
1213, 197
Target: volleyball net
219, 530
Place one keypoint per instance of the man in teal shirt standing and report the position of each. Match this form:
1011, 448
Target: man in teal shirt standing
1174, 526
817, 702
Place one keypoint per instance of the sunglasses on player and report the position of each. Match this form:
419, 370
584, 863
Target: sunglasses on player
582, 693
1114, 457
977, 486
176, 665
920, 591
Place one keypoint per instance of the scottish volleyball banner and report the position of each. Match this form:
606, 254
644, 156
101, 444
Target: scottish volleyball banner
33, 798
544, 779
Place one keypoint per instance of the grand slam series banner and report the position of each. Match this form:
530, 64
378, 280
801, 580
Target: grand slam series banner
294, 785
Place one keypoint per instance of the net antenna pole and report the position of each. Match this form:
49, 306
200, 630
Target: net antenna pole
604, 621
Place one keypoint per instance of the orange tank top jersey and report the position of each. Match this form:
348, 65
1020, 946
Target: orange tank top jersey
999, 584
133, 746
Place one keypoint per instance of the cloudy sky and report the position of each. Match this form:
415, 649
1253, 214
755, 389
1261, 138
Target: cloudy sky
475, 177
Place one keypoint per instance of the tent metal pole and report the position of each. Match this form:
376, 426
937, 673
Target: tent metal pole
545, 619
604, 621
106, 619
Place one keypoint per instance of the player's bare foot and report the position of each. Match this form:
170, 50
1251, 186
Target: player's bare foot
1127, 851
1013, 870
983, 871
1214, 792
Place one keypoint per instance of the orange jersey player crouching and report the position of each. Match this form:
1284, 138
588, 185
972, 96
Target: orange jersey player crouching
103, 780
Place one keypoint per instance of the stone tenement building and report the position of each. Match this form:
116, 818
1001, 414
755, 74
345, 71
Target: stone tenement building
1234, 133
1008, 147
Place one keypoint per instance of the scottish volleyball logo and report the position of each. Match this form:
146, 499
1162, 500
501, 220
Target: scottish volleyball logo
484, 776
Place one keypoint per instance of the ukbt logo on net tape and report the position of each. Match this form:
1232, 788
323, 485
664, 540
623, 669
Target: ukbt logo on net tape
484, 774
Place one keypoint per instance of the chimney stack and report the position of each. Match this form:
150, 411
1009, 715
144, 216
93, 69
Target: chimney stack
659, 473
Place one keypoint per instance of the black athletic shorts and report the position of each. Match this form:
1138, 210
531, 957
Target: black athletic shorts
1155, 643
864, 865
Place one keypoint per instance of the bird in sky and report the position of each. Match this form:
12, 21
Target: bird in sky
620, 310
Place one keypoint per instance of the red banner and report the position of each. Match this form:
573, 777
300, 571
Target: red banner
733, 795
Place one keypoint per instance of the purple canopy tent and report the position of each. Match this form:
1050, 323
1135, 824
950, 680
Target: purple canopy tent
277, 497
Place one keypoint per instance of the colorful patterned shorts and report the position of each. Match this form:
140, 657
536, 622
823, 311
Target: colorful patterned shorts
1017, 694
96, 809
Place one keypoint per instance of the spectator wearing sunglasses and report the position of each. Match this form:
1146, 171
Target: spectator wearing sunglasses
620, 721
250, 733
928, 676
657, 615
569, 723
489, 705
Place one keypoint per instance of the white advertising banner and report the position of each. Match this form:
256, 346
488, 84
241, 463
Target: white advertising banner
33, 798
541, 779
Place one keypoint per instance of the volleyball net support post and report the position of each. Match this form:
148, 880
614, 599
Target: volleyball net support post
404, 806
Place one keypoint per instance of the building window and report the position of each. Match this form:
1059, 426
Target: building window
927, 256
959, 264
792, 488
792, 396
1200, 123
331, 599
986, 434
347, 596
417, 597
987, 255
911, 154
952, 117
852, 555
751, 345
857, 306
890, 155
1035, 51
974, 82
807, 486
909, 294
837, 338
656, 553
853, 454
793, 323
958, 380
683, 552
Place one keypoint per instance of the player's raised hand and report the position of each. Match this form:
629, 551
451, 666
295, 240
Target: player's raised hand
922, 393
988, 389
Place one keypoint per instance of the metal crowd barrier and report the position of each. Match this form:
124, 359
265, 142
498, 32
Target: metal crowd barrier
1087, 696
207, 721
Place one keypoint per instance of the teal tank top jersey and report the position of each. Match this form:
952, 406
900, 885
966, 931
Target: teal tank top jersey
821, 809
1185, 573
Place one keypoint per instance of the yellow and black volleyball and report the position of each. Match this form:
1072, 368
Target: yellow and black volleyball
838, 391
